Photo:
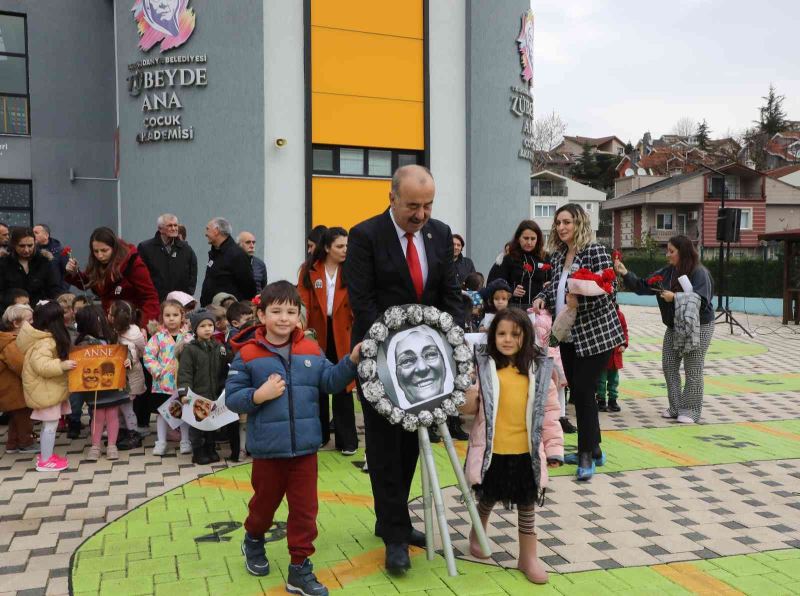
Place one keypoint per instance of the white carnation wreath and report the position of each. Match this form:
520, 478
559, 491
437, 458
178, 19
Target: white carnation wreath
393, 319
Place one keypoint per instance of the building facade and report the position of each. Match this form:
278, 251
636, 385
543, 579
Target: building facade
550, 191
276, 114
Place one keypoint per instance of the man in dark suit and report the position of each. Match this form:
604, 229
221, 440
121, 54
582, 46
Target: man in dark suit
401, 256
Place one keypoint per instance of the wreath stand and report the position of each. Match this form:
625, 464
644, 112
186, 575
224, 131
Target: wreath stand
432, 496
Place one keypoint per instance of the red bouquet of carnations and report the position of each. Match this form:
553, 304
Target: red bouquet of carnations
66, 252
582, 283
654, 283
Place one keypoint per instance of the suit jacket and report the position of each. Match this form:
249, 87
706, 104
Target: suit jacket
378, 277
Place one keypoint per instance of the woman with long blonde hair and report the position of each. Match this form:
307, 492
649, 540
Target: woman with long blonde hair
595, 334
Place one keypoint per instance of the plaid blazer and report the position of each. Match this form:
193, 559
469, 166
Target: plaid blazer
597, 328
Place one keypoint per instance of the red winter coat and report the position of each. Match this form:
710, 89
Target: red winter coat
615, 363
135, 287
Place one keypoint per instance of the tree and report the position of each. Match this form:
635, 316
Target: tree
702, 134
684, 127
586, 169
548, 132
628, 147
772, 117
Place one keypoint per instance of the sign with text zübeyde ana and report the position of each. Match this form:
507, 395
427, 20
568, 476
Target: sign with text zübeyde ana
158, 83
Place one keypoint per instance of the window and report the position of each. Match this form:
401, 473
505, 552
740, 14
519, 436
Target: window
547, 210
746, 222
589, 207
351, 161
13, 75
380, 163
331, 160
323, 160
664, 221
16, 208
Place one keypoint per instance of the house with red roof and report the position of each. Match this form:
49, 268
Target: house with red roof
660, 207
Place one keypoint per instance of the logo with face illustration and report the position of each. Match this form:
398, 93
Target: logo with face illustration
525, 41
168, 22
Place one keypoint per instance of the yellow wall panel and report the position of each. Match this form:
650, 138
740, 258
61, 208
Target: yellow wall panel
367, 122
352, 63
346, 201
392, 17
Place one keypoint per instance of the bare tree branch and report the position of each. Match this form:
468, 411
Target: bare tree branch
685, 127
548, 132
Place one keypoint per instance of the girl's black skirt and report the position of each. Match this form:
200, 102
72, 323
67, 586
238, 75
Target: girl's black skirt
509, 480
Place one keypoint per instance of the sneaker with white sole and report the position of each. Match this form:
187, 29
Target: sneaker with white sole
54, 464
685, 420
160, 448
666, 414
255, 556
112, 452
186, 447
94, 453
144, 431
302, 581
32, 448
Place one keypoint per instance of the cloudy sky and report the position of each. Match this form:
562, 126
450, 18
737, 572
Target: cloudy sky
625, 68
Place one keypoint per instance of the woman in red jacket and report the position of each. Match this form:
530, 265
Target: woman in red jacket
116, 272
324, 292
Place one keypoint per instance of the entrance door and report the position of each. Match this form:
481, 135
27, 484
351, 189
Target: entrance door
681, 223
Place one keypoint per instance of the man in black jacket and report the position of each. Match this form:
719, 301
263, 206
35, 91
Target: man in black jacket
382, 271
171, 261
228, 268
45, 242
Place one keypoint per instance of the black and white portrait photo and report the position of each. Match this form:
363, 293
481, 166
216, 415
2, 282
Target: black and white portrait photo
416, 366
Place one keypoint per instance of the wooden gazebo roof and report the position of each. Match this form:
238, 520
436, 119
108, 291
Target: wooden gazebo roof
782, 235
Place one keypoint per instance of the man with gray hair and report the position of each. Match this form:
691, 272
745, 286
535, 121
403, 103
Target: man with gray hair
171, 261
228, 268
248, 243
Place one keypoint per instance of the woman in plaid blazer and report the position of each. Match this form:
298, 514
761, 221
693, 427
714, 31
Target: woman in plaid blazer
595, 334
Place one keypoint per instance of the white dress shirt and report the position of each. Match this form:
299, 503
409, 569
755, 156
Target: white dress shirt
331, 288
419, 243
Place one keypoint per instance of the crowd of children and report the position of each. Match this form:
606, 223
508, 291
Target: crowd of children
262, 352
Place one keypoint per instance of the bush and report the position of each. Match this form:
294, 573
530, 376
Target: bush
745, 277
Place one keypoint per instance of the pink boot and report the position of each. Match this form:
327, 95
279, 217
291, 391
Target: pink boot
474, 545
529, 562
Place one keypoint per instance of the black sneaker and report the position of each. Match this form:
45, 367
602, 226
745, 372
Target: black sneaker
601, 405
255, 556
613, 406
200, 456
74, 430
302, 580
567, 426
130, 440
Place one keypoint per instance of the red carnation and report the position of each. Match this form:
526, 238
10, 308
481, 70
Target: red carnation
616, 255
584, 273
256, 300
528, 267
655, 279
66, 252
546, 266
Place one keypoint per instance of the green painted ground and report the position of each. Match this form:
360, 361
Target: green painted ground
715, 385
187, 541
720, 349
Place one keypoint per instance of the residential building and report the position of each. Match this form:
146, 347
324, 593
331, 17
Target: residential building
549, 191
661, 207
574, 145
787, 174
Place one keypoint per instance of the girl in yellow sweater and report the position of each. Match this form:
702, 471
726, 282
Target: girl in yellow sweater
506, 461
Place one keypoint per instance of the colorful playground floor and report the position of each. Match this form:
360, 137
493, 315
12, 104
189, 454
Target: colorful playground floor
712, 508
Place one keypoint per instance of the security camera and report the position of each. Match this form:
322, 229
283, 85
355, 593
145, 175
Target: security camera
280, 143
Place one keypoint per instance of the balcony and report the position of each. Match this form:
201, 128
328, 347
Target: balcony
731, 195
548, 188
663, 236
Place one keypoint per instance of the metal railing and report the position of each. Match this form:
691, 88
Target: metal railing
733, 195
549, 191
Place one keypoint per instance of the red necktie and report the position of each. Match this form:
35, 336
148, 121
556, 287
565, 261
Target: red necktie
414, 268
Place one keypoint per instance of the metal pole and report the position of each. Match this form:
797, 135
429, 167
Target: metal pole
427, 508
438, 499
477, 526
